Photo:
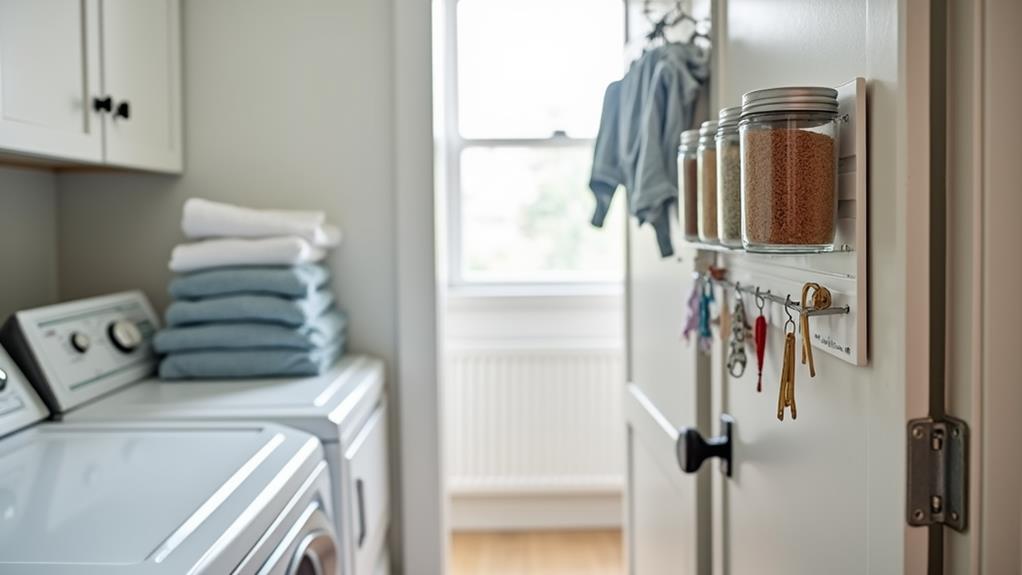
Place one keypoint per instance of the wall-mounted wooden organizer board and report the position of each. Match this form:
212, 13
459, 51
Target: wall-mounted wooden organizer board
845, 271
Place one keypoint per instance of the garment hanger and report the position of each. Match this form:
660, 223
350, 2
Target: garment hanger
673, 17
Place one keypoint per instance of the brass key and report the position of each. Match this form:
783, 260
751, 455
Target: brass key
787, 393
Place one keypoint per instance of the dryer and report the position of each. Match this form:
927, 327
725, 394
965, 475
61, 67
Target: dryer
157, 498
91, 360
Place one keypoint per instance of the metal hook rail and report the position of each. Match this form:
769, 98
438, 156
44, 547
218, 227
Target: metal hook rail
786, 302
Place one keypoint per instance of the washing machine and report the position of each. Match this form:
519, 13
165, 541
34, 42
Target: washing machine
91, 361
157, 498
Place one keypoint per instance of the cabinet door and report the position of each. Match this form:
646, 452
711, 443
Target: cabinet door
142, 73
368, 494
49, 72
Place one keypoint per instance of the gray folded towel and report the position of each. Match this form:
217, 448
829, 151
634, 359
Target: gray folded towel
225, 364
255, 308
288, 281
320, 332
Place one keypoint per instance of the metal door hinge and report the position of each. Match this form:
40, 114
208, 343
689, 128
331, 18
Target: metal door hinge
938, 472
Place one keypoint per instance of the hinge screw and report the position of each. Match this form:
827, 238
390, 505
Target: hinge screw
954, 516
955, 432
918, 515
918, 432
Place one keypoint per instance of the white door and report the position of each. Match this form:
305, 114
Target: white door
667, 511
49, 75
825, 491
142, 74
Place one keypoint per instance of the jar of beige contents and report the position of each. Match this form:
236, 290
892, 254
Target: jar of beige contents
706, 166
729, 179
688, 185
789, 169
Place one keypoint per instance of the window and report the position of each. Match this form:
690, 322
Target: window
523, 91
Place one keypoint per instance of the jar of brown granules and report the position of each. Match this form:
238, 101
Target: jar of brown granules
729, 179
706, 166
789, 169
688, 185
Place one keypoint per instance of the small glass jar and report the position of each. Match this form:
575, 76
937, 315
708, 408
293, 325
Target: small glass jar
706, 167
688, 185
729, 179
789, 144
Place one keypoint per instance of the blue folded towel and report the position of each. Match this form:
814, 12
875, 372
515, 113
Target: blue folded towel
240, 335
255, 308
249, 363
288, 281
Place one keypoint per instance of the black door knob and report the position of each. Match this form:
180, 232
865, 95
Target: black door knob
123, 110
693, 449
103, 104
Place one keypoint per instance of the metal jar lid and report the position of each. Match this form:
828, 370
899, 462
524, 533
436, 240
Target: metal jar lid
690, 137
708, 129
791, 99
728, 117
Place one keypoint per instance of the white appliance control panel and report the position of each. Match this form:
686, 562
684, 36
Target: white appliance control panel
76, 351
20, 406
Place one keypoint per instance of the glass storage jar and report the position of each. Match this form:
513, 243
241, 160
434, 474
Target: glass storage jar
706, 167
729, 179
688, 185
789, 140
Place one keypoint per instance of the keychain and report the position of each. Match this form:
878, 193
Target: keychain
705, 333
736, 359
760, 337
787, 393
821, 300
692, 320
725, 318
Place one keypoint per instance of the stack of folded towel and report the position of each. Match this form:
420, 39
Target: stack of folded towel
251, 298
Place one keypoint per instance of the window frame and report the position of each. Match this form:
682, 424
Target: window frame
454, 144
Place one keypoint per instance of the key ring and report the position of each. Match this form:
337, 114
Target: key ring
736, 359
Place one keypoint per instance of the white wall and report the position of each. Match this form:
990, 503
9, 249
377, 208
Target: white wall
28, 239
286, 104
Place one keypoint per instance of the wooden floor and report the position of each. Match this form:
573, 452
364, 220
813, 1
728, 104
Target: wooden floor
537, 553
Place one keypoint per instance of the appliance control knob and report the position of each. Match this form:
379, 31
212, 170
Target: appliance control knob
80, 342
125, 335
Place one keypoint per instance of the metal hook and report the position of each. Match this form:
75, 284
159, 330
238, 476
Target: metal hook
787, 311
760, 301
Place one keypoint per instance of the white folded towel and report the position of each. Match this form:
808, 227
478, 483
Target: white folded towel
205, 219
285, 250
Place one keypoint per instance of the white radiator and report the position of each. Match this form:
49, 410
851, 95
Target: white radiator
534, 421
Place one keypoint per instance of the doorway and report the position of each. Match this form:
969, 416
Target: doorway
533, 338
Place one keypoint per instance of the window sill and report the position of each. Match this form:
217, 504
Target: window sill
532, 290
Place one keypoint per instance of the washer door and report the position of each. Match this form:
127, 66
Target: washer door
309, 547
316, 555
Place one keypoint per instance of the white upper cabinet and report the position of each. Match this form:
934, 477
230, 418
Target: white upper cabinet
49, 69
141, 73
92, 81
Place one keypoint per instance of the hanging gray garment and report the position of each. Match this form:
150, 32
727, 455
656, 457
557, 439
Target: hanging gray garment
652, 105
617, 142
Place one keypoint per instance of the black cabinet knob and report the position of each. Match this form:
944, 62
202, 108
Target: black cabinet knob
693, 449
103, 104
123, 110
